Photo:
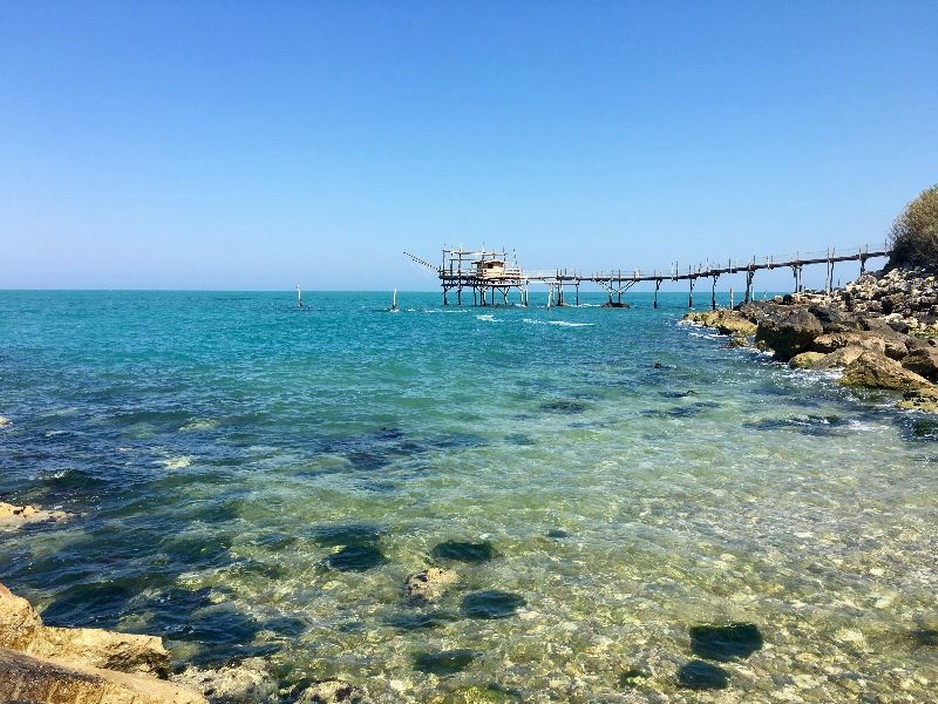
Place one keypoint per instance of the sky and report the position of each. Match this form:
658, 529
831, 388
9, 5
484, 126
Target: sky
241, 145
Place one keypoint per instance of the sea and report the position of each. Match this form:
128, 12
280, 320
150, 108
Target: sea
628, 508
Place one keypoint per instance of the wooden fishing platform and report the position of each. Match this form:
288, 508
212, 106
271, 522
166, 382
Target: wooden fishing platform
490, 275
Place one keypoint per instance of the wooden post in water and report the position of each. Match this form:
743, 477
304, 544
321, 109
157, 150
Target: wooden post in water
713, 293
657, 286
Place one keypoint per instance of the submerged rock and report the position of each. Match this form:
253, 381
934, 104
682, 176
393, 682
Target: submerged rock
701, 675
447, 662
475, 694
632, 677
356, 558
491, 603
464, 551
735, 640
328, 692
246, 683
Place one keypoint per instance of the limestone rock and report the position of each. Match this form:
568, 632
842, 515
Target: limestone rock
829, 342
13, 516
327, 692
246, 683
921, 400
727, 322
788, 332
26, 678
875, 371
924, 362
21, 629
41, 663
807, 360
842, 357
429, 586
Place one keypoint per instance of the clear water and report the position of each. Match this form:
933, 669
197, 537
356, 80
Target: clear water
633, 478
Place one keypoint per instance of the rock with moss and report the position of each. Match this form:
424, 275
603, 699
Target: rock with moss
925, 400
807, 360
725, 320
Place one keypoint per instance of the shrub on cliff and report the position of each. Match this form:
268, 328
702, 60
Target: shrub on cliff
914, 234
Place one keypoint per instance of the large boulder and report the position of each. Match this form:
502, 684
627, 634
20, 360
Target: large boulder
22, 629
788, 331
924, 362
872, 370
24, 678
41, 663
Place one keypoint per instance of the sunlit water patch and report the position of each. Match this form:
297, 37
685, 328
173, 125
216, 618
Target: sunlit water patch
629, 510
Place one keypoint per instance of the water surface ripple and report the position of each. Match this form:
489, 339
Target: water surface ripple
251, 479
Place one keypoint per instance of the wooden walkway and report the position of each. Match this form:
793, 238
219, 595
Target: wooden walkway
487, 273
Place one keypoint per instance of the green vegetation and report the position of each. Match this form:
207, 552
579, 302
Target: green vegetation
914, 234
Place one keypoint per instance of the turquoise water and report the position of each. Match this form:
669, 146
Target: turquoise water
254, 480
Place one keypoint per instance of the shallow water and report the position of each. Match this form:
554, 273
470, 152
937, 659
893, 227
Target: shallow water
255, 479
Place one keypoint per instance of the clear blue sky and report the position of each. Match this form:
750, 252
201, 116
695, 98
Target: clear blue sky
256, 145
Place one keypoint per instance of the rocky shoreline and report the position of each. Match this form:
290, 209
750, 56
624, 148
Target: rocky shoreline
879, 332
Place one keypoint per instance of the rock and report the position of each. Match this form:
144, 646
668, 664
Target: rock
701, 675
872, 370
65, 665
356, 558
475, 694
246, 683
788, 331
21, 629
724, 643
726, 321
830, 342
4, 421
807, 360
840, 358
925, 400
447, 662
14, 516
924, 362
834, 319
327, 692
26, 678
461, 551
429, 586
491, 604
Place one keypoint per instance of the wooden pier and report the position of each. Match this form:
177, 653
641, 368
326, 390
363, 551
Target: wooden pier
489, 275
